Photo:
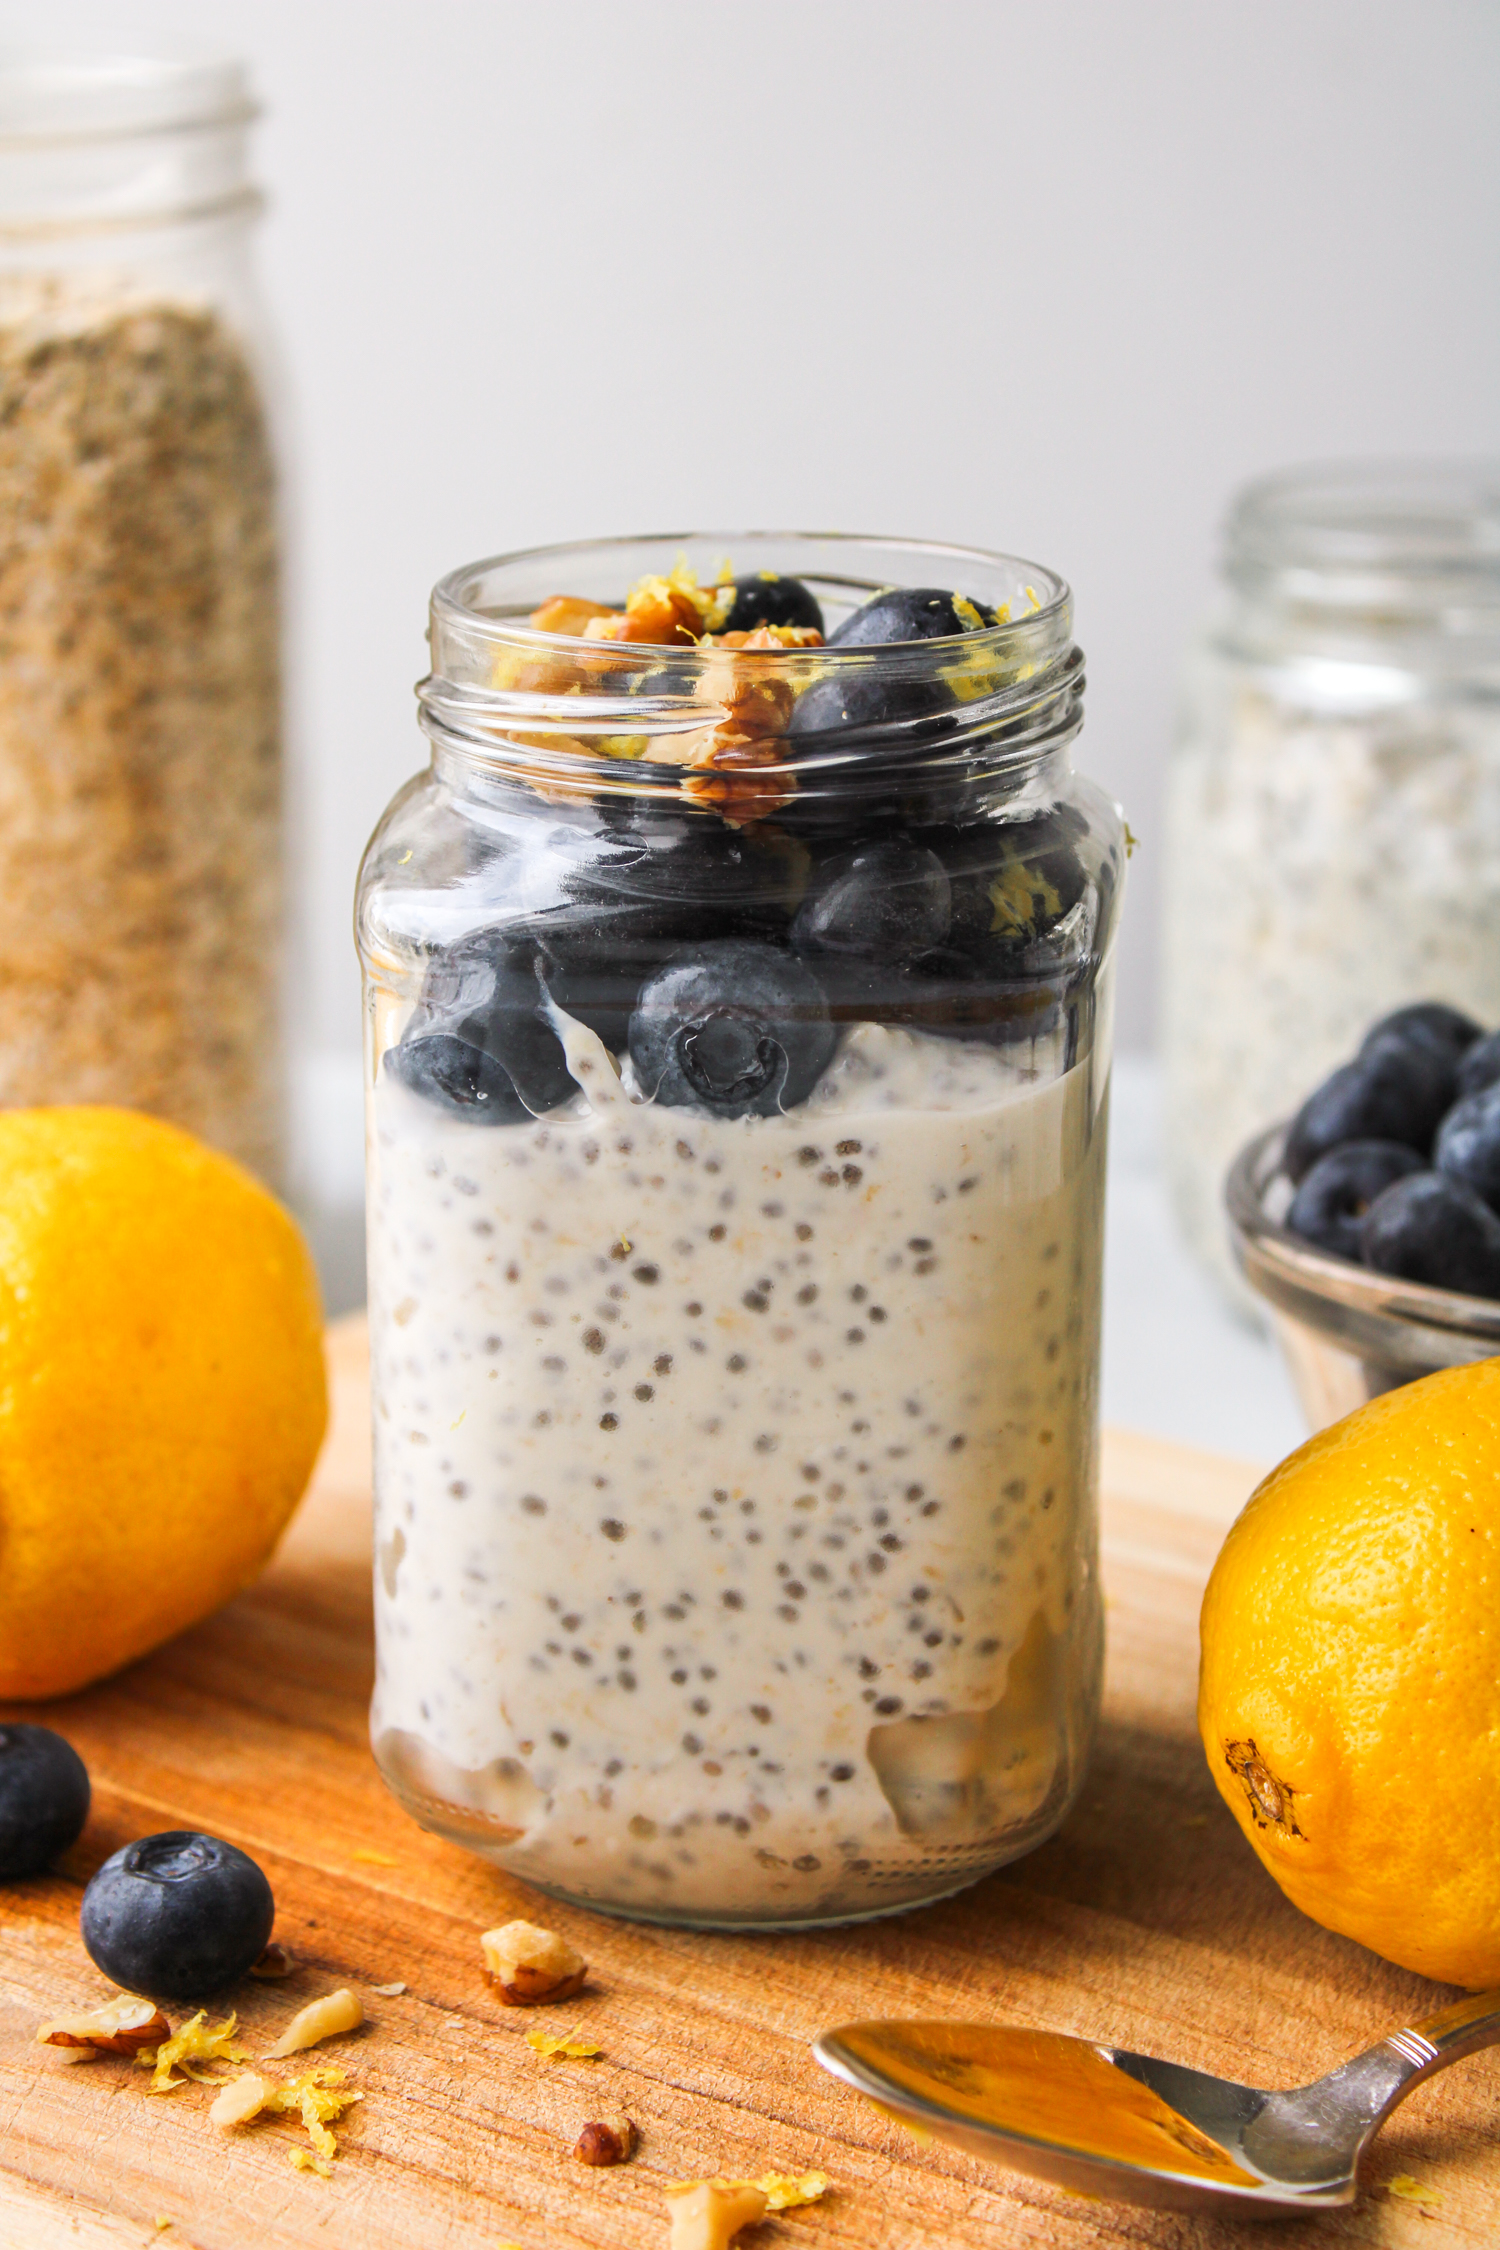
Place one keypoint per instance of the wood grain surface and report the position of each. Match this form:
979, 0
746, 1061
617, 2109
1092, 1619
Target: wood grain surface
1146, 1920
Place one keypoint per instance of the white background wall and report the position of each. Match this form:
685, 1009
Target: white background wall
1045, 274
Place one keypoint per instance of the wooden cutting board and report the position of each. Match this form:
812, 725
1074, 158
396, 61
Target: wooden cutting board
1146, 1919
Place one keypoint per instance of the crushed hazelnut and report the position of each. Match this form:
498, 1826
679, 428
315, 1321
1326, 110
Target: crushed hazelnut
388, 1991
708, 2214
243, 2098
568, 613
121, 2027
607, 2140
274, 1962
320, 2019
529, 1966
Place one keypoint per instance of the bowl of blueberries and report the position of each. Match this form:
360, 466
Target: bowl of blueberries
1370, 1224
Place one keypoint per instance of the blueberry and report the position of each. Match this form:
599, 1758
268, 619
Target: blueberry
1480, 1066
734, 1026
884, 901
44, 1798
1013, 883
1329, 1207
1394, 1090
1468, 1144
764, 597
910, 613
177, 1916
836, 712
1430, 1022
479, 1043
1430, 1228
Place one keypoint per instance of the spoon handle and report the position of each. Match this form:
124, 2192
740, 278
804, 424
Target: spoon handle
1448, 2036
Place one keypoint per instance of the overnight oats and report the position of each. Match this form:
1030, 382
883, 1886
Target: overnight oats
738, 996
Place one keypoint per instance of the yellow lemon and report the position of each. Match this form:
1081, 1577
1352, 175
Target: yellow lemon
162, 1394
1349, 1697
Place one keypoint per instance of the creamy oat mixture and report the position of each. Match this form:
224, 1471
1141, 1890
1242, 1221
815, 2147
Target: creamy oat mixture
1323, 868
735, 1477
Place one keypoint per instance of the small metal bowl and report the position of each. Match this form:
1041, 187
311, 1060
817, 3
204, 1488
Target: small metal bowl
1347, 1334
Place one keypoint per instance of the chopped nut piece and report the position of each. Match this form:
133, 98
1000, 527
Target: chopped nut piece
564, 2047
189, 2049
120, 2027
708, 2214
320, 2019
388, 1991
244, 2097
529, 1966
274, 1962
607, 2140
568, 613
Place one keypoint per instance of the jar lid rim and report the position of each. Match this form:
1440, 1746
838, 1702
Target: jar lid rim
1426, 518
50, 97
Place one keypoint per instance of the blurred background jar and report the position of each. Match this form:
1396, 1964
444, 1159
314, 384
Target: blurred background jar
140, 753
1333, 829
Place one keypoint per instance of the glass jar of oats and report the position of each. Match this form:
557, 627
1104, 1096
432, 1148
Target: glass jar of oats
140, 850
1333, 832
738, 1004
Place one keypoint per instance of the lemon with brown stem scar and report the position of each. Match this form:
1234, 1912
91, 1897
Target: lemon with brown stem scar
1349, 1694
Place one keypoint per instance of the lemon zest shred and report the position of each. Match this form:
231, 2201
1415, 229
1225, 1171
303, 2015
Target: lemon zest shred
1410, 2190
191, 2044
305, 2161
783, 2191
563, 2047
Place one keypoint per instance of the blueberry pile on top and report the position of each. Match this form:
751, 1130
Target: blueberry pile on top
1395, 1158
723, 955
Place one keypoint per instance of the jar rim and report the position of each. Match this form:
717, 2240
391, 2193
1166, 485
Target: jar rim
49, 97
601, 714
1350, 523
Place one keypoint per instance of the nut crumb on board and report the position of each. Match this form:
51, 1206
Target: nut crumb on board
607, 2140
274, 1962
530, 1967
708, 2214
121, 2027
324, 2018
388, 1991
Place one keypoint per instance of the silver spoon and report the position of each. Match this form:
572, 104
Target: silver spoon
1104, 2122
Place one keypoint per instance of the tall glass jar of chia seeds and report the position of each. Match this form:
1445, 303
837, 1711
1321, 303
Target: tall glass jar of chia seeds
738, 1007
1333, 828
140, 625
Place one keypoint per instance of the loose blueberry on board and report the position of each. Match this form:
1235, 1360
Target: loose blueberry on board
910, 613
1468, 1144
1329, 1207
1433, 1229
1431, 1022
1394, 1090
735, 1027
764, 597
177, 1916
1480, 1065
44, 1798
884, 901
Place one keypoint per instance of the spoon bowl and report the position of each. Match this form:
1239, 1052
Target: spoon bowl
1103, 2121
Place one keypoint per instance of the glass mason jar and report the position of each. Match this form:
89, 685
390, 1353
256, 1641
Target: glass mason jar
1333, 821
739, 1034
140, 820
